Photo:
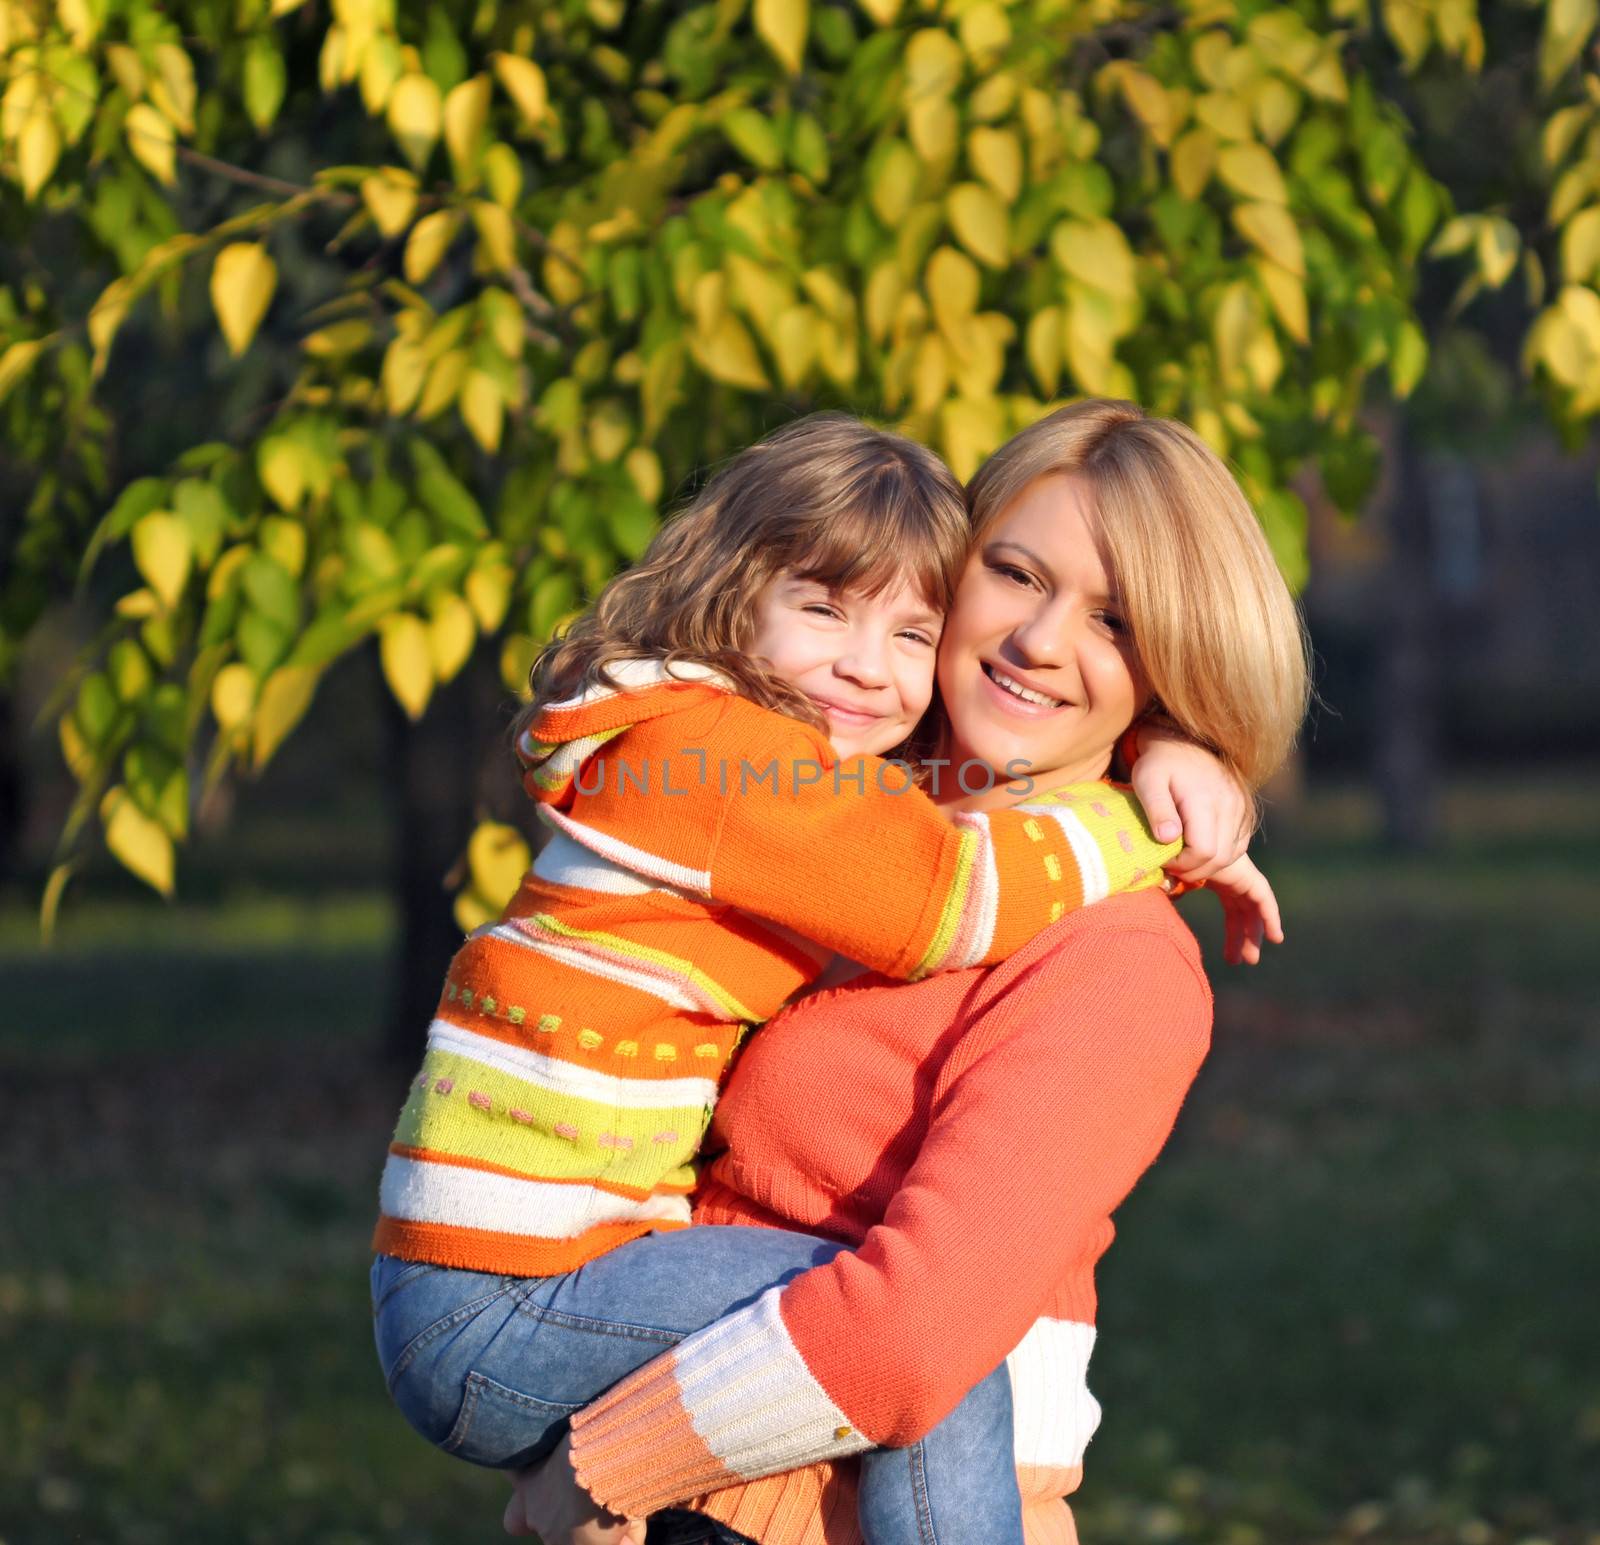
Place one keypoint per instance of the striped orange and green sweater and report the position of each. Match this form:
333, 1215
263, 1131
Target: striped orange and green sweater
707, 858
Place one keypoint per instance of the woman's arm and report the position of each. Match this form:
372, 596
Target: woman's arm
1073, 1080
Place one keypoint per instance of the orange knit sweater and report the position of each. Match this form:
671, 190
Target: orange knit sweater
972, 1134
579, 1043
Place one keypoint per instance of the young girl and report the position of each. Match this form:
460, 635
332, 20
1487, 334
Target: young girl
703, 744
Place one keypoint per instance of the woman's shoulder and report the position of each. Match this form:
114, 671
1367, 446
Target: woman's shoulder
1133, 944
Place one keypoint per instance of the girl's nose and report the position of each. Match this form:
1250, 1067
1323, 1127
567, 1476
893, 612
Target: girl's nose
864, 662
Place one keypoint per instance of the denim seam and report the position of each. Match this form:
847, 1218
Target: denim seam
919, 1492
424, 1338
542, 1313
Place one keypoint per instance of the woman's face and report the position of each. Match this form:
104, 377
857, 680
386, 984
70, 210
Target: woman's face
1036, 665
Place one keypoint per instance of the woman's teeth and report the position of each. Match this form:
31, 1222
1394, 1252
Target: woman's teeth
1016, 689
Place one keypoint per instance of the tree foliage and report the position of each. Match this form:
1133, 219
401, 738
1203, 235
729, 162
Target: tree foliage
480, 288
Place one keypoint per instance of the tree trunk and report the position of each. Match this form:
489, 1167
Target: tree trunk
432, 782
1406, 736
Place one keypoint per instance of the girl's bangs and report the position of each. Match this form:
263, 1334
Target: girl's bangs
869, 550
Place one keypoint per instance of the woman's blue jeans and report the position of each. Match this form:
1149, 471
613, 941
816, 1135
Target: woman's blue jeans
490, 1368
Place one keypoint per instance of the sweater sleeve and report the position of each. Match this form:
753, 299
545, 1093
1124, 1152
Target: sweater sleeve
918, 892
1086, 1061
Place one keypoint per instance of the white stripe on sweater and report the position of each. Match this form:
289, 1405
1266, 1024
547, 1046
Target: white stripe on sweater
1091, 862
753, 1401
633, 675
568, 1077
420, 1191
1053, 1413
650, 865
983, 895
565, 862
670, 990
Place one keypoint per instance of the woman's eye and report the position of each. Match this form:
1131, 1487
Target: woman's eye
1011, 572
1113, 622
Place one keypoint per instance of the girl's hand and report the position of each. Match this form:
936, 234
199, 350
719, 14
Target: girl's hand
547, 1502
1250, 910
1187, 792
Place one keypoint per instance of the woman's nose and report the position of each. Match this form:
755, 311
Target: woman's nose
1044, 638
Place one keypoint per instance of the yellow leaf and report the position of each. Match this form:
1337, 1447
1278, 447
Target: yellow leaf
1194, 158
969, 430
282, 467
930, 375
172, 87
837, 352
894, 183
1226, 116
726, 353
934, 65
152, 142
381, 66
985, 32
1286, 294
643, 467
523, 81
428, 242
951, 282
782, 25
1251, 172
1562, 131
794, 344
1148, 100
883, 12
1498, 245
1097, 253
163, 553
1089, 341
452, 631
488, 589
517, 655
139, 844
1568, 26
38, 150
466, 115
497, 244
935, 129
502, 174
1276, 105
996, 156
285, 696
482, 409
415, 114
405, 367
233, 695
407, 662
444, 383
390, 195
980, 223
1271, 228
243, 280
1236, 322
497, 858
1580, 246
471, 911
884, 290
1042, 344
17, 361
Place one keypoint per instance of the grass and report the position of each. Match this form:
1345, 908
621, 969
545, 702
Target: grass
1353, 1302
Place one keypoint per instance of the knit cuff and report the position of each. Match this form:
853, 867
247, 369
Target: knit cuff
731, 1403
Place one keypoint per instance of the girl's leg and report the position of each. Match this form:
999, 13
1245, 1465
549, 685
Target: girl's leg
490, 1367
958, 1484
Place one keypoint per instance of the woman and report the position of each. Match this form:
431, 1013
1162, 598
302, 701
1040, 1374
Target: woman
971, 1135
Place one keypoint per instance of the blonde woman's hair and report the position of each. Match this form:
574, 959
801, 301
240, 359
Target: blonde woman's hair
1218, 635
826, 498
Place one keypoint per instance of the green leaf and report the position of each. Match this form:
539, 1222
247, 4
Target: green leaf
265, 80
753, 136
444, 495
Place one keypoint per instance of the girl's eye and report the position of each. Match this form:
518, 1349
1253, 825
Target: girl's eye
819, 608
917, 638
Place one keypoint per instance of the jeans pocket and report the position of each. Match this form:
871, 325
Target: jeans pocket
502, 1427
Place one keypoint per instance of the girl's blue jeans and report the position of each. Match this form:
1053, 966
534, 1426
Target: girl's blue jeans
490, 1368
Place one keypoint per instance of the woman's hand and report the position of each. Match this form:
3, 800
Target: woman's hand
547, 1502
1250, 910
1187, 792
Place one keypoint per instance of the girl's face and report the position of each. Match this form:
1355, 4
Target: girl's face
1037, 666
865, 661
